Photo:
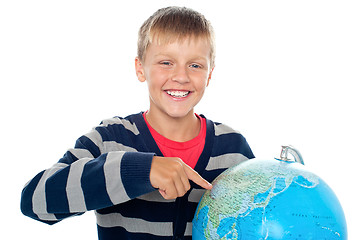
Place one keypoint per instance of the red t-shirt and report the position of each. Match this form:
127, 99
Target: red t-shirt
188, 151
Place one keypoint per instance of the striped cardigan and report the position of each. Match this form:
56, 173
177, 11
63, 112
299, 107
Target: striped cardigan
108, 171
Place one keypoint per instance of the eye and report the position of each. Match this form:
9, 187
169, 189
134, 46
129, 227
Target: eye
165, 63
194, 65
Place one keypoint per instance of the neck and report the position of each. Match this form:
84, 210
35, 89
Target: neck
179, 129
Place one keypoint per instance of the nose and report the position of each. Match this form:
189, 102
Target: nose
180, 74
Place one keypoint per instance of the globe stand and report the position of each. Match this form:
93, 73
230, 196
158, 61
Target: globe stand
294, 152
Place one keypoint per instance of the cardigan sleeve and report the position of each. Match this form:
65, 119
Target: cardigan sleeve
88, 177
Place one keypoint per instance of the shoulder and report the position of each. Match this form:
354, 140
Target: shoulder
221, 129
116, 129
116, 134
120, 123
117, 121
228, 135
228, 140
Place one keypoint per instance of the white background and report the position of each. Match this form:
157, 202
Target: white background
287, 72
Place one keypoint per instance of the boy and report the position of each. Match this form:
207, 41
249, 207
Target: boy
144, 174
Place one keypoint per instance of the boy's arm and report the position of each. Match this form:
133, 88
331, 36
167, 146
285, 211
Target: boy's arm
85, 179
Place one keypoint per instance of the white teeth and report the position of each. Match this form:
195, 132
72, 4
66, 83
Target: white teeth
178, 93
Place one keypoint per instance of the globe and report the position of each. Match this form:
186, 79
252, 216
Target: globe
269, 199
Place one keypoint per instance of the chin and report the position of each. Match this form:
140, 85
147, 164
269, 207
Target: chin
179, 114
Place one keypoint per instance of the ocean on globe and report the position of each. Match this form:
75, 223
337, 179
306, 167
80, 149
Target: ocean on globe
269, 199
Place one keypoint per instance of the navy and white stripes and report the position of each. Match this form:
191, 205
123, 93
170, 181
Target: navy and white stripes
108, 171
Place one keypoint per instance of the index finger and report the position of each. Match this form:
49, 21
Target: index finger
196, 178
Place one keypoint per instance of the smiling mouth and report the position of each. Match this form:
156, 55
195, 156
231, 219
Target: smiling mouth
178, 94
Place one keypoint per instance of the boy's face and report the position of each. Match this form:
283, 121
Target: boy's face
177, 75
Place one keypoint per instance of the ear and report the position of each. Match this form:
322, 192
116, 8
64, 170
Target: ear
209, 76
139, 70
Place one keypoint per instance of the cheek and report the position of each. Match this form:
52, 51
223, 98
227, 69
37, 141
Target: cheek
156, 77
202, 82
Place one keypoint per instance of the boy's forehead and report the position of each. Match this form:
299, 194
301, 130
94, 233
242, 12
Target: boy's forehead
199, 46
164, 39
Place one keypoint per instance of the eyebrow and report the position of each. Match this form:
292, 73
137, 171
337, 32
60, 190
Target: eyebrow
170, 56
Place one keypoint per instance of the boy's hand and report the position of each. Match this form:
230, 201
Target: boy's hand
171, 176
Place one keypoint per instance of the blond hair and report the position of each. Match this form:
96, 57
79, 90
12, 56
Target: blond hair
172, 24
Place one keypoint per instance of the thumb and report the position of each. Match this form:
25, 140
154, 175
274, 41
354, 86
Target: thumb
196, 178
